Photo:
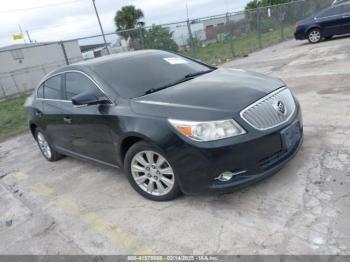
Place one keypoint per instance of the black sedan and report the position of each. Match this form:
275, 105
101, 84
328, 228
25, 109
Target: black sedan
174, 124
332, 21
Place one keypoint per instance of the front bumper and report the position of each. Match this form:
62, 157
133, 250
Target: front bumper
196, 168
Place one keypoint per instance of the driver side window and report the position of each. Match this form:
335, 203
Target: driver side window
77, 83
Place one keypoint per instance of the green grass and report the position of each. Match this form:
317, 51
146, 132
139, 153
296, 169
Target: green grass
12, 117
220, 52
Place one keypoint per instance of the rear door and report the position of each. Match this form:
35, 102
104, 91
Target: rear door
333, 21
346, 17
90, 127
51, 93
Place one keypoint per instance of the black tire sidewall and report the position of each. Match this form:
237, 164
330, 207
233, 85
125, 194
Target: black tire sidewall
142, 146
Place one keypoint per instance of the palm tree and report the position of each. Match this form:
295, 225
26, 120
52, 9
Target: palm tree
128, 17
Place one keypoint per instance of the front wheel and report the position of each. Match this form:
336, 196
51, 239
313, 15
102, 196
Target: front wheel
314, 36
150, 173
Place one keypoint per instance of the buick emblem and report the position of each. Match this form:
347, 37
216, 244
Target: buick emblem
280, 107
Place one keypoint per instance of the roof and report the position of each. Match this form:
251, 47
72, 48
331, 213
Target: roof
337, 2
19, 46
27, 45
86, 48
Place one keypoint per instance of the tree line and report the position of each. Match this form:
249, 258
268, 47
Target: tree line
130, 26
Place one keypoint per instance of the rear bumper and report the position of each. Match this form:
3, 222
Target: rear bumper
299, 36
197, 169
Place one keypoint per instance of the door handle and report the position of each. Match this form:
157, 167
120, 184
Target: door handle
67, 119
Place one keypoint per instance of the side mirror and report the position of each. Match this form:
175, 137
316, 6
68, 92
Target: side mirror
89, 98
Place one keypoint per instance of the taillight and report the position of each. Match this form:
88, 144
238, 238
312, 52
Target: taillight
296, 25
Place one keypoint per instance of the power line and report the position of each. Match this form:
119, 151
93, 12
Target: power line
39, 7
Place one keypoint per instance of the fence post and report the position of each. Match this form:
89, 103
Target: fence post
258, 26
43, 68
14, 81
191, 38
64, 53
232, 47
281, 16
3, 91
142, 44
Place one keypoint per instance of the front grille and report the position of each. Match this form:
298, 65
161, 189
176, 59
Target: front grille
270, 111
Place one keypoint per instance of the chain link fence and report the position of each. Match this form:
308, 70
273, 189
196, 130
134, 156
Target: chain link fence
214, 39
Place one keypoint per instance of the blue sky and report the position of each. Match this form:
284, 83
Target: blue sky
76, 18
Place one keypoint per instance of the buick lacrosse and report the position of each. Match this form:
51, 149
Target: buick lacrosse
172, 123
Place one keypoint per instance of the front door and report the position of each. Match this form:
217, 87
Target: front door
90, 126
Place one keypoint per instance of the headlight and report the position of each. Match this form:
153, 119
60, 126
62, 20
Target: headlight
208, 131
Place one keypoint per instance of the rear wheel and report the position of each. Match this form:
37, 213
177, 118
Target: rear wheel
315, 36
150, 173
48, 152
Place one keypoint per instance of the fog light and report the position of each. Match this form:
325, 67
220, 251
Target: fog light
227, 176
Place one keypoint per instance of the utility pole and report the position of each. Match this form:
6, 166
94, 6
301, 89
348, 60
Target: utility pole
21, 31
99, 22
30, 40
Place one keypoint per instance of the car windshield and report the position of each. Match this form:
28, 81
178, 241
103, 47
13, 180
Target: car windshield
141, 73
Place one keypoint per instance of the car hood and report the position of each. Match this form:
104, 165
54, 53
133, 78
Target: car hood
221, 93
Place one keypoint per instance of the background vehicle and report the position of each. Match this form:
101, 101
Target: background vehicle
174, 124
332, 21
337, 2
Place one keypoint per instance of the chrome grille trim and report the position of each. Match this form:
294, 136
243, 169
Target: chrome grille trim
263, 116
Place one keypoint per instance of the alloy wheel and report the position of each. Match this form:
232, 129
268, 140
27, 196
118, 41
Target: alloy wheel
152, 173
44, 145
315, 36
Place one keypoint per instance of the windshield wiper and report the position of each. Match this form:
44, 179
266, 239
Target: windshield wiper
186, 78
152, 90
199, 73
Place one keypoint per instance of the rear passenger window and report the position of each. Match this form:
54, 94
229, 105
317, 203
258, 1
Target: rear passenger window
52, 88
338, 10
77, 83
40, 93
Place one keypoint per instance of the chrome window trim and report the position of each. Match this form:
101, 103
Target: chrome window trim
263, 99
64, 72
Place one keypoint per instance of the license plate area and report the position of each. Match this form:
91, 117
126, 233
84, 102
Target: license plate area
290, 136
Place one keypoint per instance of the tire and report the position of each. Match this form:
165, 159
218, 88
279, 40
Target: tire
157, 180
314, 36
45, 148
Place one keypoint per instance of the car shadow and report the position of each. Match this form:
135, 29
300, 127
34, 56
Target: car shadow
335, 38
